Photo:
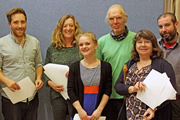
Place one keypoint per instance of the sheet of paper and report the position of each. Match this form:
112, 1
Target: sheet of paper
56, 73
76, 117
27, 90
158, 89
168, 93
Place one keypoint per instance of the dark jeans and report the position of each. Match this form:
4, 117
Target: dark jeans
21, 110
112, 108
176, 109
62, 109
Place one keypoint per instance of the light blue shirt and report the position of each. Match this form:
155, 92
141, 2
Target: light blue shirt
17, 62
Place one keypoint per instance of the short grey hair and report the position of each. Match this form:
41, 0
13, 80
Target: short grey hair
115, 5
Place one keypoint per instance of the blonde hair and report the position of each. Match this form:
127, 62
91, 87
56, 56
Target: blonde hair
90, 35
57, 35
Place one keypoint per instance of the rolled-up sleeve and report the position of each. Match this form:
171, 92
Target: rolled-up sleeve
38, 58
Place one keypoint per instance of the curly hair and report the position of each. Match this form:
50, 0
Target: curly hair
156, 50
57, 35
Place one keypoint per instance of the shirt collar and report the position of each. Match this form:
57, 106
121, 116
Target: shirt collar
13, 38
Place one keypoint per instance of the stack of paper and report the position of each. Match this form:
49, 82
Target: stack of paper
76, 117
56, 73
158, 89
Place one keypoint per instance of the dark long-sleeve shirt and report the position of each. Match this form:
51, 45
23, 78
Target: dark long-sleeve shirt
161, 65
76, 87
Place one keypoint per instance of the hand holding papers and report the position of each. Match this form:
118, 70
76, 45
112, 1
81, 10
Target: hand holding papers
27, 89
158, 89
56, 73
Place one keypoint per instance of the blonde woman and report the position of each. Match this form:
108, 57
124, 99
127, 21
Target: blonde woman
63, 51
89, 80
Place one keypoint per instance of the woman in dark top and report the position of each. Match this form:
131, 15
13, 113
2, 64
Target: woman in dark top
146, 55
89, 80
63, 51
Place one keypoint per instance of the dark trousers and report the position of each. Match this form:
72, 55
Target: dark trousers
176, 109
62, 109
21, 110
112, 108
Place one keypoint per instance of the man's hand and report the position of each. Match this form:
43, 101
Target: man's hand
39, 83
12, 85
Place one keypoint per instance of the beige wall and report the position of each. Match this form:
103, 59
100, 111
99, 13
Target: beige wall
174, 7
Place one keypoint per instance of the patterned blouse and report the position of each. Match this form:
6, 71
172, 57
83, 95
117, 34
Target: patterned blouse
135, 108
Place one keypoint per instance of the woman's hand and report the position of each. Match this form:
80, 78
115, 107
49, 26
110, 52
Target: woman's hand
83, 115
138, 86
67, 73
81, 112
149, 114
57, 88
96, 115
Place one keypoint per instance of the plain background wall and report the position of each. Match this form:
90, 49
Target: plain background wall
43, 15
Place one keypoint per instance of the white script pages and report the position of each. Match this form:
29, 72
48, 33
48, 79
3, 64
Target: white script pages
76, 117
27, 89
56, 73
158, 89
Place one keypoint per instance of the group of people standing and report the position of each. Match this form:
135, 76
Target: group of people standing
97, 85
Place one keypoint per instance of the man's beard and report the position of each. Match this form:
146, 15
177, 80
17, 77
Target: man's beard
170, 37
